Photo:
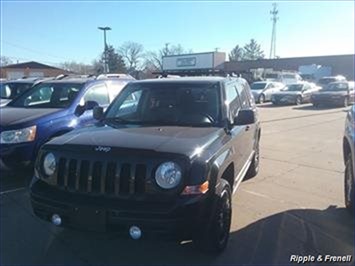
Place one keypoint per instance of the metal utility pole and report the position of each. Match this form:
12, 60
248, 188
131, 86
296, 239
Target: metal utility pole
104, 29
274, 19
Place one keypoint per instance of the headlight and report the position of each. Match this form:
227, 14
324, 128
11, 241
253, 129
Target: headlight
49, 164
19, 135
168, 175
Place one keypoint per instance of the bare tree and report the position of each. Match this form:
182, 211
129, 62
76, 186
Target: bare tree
132, 54
78, 68
236, 54
4, 61
156, 58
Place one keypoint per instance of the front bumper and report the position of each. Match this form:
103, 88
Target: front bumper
171, 220
284, 100
14, 155
328, 100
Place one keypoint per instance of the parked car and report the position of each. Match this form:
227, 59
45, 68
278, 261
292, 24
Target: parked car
335, 93
167, 167
11, 89
47, 110
324, 81
349, 156
297, 93
262, 90
283, 77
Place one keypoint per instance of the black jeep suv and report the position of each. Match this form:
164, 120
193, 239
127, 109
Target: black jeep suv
163, 159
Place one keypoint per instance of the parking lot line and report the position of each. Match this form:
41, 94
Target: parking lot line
257, 194
301, 116
11, 190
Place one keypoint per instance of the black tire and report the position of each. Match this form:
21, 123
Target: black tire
349, 186
215, 235
261, 98
346, 102
299, 100
254, 166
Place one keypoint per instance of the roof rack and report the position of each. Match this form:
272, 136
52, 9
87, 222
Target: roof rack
115, 76
68, 76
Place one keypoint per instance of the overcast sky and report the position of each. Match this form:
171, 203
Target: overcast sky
53, 32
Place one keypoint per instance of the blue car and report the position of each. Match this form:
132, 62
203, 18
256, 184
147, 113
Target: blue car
47, 110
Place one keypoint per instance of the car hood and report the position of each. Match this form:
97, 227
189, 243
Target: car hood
330, 93
11, 116
170, 139
4, 102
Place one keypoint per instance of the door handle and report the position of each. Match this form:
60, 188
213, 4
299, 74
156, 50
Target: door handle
247, 128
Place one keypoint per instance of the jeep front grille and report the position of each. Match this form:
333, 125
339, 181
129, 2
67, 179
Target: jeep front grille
101, 177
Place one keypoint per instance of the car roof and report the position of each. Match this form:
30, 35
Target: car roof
27, 80
185, 80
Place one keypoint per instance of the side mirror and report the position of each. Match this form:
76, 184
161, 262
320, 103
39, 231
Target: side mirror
244, 117
98, 112
89, 105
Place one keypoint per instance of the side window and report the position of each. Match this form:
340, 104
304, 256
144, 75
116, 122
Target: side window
231, 93
306, 87
41, 96
97, 93
232, 99
242, 91
130, 104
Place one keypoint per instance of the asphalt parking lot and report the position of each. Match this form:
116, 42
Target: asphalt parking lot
294, 206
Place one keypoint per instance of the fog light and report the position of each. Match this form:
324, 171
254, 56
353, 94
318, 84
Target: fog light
135, 232
56, 220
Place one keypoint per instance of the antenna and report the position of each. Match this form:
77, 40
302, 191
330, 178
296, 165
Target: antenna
274, 19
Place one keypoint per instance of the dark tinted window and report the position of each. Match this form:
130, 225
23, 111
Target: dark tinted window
11, 89
258, 86
336, 87
167, 103
48, 95
324, 81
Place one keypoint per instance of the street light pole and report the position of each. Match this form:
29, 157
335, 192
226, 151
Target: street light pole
104, 29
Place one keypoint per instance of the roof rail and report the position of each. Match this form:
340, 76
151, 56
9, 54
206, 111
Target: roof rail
115, 76
64, 76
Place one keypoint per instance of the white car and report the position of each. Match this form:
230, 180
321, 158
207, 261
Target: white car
263, 90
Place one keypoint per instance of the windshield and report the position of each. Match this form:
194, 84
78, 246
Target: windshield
336, 87
11, 90
324, 81
193, 104
272, 76
258, 86
48, 95
294, 87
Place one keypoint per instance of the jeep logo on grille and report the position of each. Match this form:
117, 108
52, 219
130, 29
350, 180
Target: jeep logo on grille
102, 149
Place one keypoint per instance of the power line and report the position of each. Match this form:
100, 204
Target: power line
33, 51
